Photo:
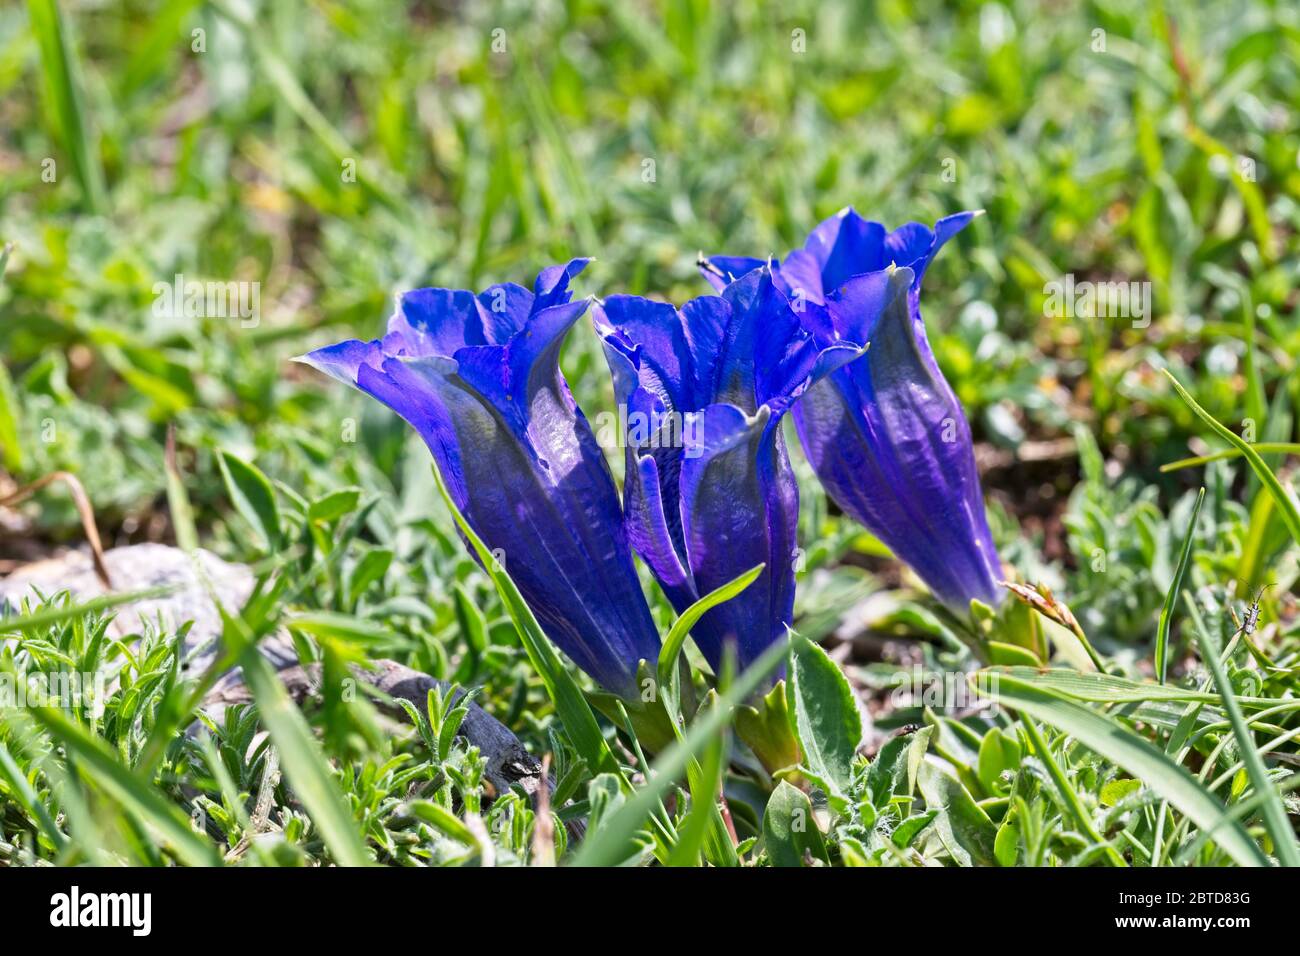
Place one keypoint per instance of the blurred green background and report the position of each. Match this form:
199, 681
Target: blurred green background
339, 152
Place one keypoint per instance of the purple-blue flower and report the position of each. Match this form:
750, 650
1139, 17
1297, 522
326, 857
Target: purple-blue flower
886, 434
478, 377
709, 492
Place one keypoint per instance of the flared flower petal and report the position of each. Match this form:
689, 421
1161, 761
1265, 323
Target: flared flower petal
709, 491
891, 446
478, 377
886, 434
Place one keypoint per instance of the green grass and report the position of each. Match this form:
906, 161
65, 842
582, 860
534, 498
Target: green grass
127, 156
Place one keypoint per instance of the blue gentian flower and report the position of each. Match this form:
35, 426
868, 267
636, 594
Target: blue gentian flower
479, 379
886, 435
709, 492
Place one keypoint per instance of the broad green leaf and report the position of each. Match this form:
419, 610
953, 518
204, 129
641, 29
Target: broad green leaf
253, 497
790, 830
999, 752
825, 713
1112, 740
1006, 845
963, 827
334, 505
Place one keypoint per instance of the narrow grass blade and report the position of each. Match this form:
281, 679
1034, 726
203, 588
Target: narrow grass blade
1166, 612
1107, 688
11, 452
1263, 447
1286, 501
20, 789
55, 615
1115, 742
672, 645
64, 91
303, 762
178, 500
612, 842
136, 796
1273, 810
575, 713
1069, 796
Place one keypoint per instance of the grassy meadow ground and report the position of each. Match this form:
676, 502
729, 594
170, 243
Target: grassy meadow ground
336, 152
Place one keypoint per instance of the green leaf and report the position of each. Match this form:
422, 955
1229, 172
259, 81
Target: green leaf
344, 627
44, 618
21, 790
611, 843
895, 767
963, 827
471, 621
1283, 496
253, 497
574, 711
790, 830
1115, 792
66, 107
1274, 812
11, 452
144, 802
1166, 612
825, 713
1006, 845
1107, 688
672, 644
1117, 743
999, 752
304, 765
334, 505
442, 820
911, 828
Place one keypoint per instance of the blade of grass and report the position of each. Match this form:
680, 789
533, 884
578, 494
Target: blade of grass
575, 713
1263, 447
1166, 612
63, 88
1273, 810
676, 638
1068, 794
1110, 739
303, 762
1286, 502
611, 843
56, 615
22, 791
136, 796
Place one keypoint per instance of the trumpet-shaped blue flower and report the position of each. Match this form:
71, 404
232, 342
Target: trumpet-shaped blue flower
479, 379
709, 492
886, 434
